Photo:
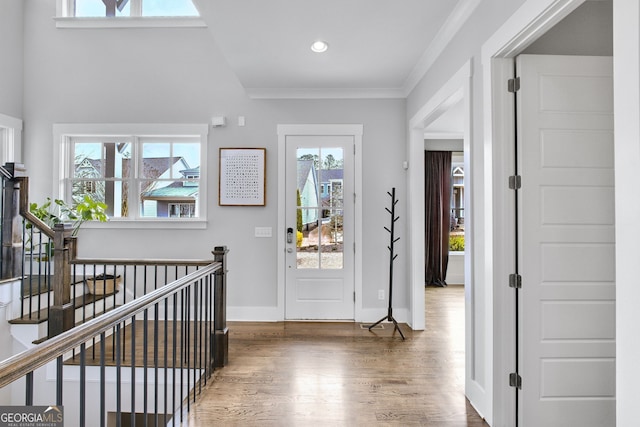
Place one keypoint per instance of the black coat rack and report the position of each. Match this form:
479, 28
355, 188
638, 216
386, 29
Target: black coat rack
392, 257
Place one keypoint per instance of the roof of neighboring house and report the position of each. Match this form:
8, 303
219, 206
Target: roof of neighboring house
175, 191
191, 171
304, 168
153, 167
327, 175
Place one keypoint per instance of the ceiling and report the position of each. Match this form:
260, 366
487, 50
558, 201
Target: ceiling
377, 48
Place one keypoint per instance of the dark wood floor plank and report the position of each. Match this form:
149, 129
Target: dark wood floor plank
339, 374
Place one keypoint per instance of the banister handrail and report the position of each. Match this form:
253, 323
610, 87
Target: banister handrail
29, 360
141, 262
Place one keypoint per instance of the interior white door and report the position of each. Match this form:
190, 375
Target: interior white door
566, 246
320, 227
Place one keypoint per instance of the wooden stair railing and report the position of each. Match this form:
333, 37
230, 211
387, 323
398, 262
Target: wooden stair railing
208, 280
61, 313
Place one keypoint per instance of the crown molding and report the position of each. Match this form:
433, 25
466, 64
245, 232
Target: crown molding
449, 29
325, 93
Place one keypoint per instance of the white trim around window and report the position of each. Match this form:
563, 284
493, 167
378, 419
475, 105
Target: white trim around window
63, 135
131, 22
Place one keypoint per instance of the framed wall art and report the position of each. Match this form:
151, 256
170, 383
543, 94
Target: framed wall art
242, 177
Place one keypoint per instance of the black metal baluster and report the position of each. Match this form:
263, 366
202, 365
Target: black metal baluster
133, 371
156, 313
59, 381
175, 346
83, 385
118, 358
28, 399
145, 363
103, 382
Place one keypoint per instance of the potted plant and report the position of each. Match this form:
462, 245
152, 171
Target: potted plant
58, 211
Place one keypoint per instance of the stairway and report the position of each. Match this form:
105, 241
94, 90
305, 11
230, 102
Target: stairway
32, 297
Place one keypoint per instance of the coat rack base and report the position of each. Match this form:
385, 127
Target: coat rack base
389, 317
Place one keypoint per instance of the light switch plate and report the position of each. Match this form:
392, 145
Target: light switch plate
263, 232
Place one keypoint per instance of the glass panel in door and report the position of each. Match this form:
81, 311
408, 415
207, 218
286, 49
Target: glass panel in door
320, 207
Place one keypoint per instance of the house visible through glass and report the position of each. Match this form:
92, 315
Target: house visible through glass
320, 208
165, 174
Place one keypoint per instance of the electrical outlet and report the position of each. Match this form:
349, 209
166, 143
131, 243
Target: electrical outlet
380, 293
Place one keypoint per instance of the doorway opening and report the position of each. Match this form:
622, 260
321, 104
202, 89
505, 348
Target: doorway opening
529, 29
452, 100
444, 225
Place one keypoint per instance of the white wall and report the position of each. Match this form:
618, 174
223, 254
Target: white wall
179, 76
11, 65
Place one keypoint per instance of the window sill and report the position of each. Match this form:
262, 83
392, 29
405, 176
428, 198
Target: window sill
148, 224
131, 22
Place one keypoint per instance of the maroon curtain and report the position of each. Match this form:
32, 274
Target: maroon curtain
437, 216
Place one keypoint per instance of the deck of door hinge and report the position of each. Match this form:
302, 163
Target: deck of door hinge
515, 182
515, 380
513, 85
515, 281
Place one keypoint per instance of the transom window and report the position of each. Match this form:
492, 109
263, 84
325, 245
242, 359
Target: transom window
115, 8
127, 13
139, 176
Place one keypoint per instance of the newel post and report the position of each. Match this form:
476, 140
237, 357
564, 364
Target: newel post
220, 339
61, 313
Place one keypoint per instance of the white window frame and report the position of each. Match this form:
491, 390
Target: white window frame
65, 18
63, 135
10, 139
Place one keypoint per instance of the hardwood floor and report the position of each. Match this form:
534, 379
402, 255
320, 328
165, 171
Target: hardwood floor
341, 374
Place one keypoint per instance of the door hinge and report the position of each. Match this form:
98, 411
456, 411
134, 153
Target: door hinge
515, 380
354, 198
515, 281
354, 296
354, 149
354, 247
513, 85
515, 182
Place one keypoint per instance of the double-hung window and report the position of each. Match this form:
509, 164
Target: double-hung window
144, 173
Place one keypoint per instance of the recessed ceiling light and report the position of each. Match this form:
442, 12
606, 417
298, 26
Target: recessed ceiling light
319, 46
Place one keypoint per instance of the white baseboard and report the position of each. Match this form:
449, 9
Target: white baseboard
371, 315
274, 314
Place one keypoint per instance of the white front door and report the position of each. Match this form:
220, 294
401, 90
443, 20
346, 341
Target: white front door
566, 241
319, 227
